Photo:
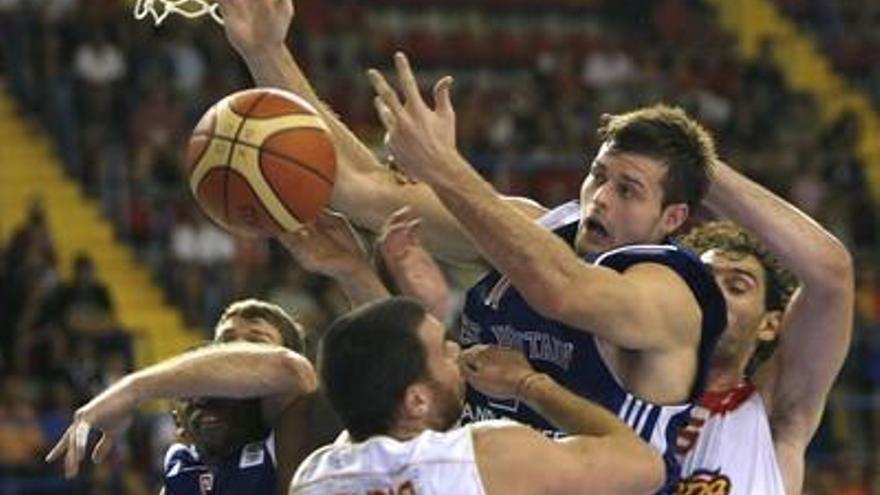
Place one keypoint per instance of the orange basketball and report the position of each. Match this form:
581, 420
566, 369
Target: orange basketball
260, 162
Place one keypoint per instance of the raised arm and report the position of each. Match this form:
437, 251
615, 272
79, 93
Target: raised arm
409, 266
817, 324
235, 370
330, 247
365, 191
550, 276
601, 455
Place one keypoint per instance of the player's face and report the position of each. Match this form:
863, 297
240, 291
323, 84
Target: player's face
622, 203
742, 280
446, 382
220, 427
256, 330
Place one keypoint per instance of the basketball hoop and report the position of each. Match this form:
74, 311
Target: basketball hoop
191, 9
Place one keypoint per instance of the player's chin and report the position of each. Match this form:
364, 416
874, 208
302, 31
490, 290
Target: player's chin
593, 243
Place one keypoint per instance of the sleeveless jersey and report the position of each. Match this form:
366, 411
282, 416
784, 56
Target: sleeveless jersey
250, 470
496, 313
727, 447
433, 463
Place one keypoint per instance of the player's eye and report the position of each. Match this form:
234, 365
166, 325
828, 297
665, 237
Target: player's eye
737, 287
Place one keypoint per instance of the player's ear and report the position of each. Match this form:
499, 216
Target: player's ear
179, 425
673, 217
770, 326
416, 402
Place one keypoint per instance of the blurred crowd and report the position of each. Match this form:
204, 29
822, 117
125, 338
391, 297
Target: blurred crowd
849, 33
60, 346
533, 78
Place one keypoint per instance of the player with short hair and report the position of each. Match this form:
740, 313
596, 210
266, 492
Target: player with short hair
583, 292
626, 325
249, 361
752, 427
276, 323
396, 381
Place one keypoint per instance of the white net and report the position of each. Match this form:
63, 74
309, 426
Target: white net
161, 9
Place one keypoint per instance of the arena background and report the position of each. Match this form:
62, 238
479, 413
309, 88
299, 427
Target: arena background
107, 264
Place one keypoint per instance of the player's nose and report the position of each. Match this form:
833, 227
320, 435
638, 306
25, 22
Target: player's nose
601, 196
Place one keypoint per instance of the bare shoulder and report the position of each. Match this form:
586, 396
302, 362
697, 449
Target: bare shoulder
655, 274
669, 293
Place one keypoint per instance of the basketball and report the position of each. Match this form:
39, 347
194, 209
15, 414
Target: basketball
261, 162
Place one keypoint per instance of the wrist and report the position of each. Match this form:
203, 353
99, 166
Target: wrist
527, 384
263, 54
452, 171
718, 171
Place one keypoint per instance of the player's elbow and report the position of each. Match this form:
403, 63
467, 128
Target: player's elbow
295, 371
835, 274
648, 469
841, 267
654, 472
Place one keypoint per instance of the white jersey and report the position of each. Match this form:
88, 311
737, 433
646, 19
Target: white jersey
727, 447
433, 463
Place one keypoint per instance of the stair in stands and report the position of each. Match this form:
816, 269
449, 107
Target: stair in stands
30, 169
805, 68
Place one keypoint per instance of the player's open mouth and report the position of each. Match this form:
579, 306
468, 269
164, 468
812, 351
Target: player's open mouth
596, 229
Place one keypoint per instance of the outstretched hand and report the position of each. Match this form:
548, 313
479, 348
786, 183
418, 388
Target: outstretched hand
421, 139
252, 25
328, 247
411, 266
110, 413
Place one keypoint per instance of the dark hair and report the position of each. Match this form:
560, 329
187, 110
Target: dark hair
368, 358
666, 134
729, 237
250, 309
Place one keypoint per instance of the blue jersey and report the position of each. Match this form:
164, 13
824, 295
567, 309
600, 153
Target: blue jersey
496, 313
250, 470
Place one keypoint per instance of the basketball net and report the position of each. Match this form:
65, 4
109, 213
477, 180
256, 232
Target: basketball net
161, 9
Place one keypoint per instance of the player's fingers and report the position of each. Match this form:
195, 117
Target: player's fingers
337, 227
385, 92
59, 447
405, 227
103, 448
385, 115
401, 215
334, 224
407, 79
70, 460
412, 230
80, 441
397, 222
442, 98
470, 357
